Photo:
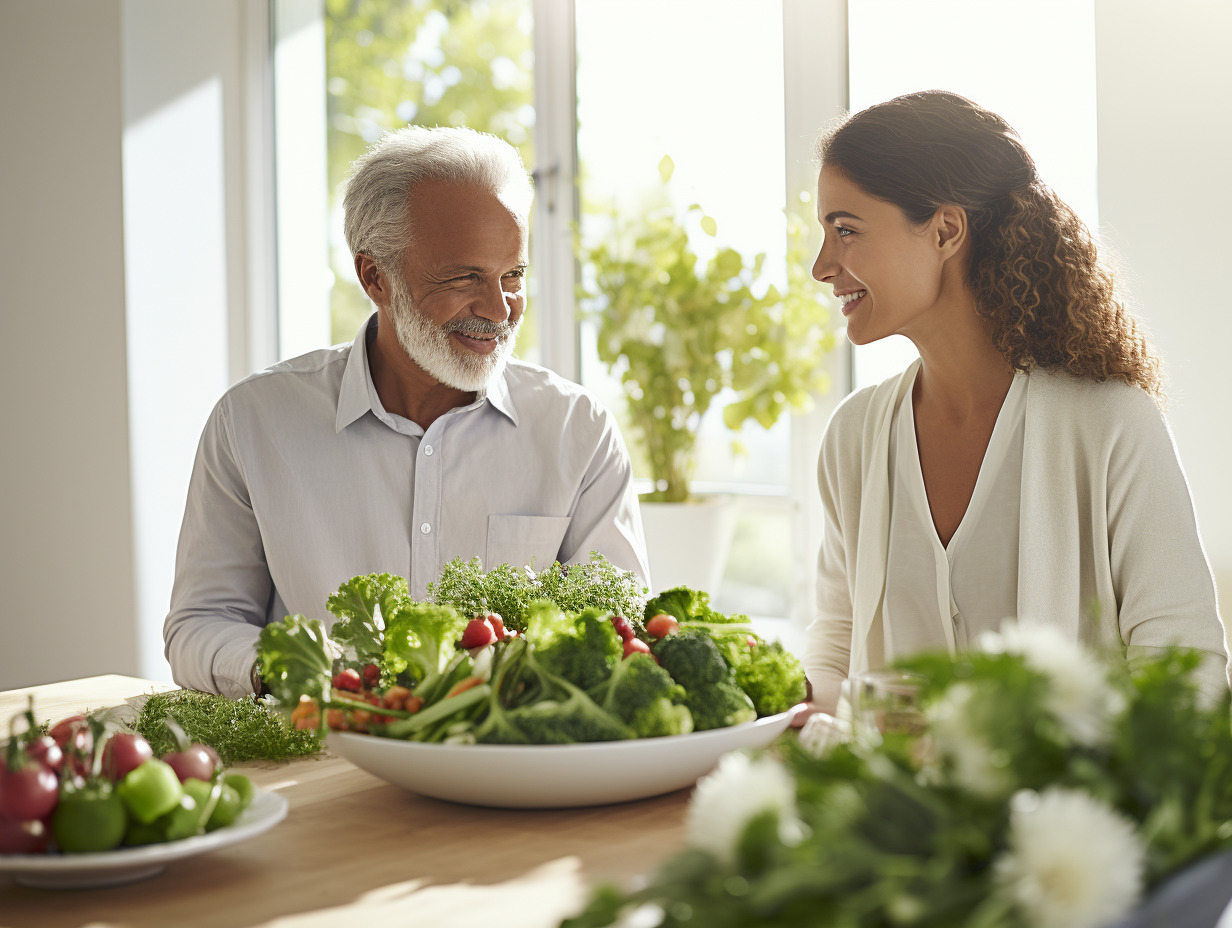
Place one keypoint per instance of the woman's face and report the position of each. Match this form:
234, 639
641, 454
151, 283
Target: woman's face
885, 271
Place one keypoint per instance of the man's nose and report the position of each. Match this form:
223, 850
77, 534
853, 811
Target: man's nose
494, 302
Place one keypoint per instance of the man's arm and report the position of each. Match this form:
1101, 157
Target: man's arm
222, 583
605, 516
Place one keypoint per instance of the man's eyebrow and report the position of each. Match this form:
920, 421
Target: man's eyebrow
840, 214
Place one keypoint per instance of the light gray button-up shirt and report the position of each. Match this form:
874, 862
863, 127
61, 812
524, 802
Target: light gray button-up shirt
303, 480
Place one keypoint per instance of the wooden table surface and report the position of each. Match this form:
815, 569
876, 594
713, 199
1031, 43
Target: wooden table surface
355, 850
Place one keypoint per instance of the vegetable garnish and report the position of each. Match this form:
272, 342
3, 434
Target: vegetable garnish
238, 729
558, 670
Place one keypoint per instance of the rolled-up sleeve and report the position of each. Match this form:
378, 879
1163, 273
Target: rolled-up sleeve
222, 586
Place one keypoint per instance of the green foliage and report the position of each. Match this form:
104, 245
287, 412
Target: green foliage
356, 603
771, 675
295, 659
390, 63
238, 729
693, 660
719, 705
644, 696
510, 591
581, 647
421, 640
679, 332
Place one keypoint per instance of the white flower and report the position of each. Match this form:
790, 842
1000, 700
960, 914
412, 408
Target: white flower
957, 745
1078, 694
1072, 861
739, 789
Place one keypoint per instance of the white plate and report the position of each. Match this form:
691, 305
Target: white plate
552, 776
128, 864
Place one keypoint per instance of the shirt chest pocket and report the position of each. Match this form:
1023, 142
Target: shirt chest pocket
521, 540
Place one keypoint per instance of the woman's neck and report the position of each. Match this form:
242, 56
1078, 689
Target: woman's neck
962, 374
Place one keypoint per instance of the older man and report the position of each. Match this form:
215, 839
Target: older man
419, 442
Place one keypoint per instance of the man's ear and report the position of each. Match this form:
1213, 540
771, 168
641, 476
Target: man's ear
374, 280
950, 229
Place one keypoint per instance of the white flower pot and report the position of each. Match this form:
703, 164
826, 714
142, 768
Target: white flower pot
688, 543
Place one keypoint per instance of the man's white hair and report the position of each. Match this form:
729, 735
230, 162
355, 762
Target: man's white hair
383, 180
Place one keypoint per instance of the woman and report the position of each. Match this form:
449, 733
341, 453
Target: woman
1022, 467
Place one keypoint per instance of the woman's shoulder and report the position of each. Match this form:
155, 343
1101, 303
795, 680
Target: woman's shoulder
1095, 403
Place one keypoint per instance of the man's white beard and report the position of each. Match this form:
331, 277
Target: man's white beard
430, 346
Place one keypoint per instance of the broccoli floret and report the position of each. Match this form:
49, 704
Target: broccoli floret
692, 658
420, 641
356, 604
643, 695
719, 705
771, 676
583, 647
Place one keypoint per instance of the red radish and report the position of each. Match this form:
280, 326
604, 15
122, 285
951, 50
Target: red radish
29, 792
45, 749
636, 646
124, 752
195, 762
497, 623
348, 680
371, 675
662, 625
478, 634
623, 628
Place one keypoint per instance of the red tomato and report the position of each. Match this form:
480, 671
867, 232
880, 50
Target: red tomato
195, 762
124, 752
636, 646
662, 625
22, 837
371, 675
478, 634
623, 628
497, 623
73, 727
28, 792
45, 749
348, 680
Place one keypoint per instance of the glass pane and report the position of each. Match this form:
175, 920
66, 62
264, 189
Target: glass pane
721, 126
1054, 111
422, 62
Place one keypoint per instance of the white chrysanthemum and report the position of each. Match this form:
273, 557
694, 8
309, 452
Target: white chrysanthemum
957, 746
1079, 694
1072, 861
740, 788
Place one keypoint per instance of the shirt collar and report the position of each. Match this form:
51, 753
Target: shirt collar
354, 396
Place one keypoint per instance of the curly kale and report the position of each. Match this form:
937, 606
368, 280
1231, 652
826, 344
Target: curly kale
358, 603
772, 676
296, 658
420, 641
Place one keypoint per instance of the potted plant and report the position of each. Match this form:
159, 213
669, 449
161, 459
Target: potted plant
680, 331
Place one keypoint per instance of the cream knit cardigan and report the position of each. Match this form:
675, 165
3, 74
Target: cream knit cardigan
1108, 546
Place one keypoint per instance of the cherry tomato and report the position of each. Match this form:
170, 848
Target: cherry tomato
623, 628
29, 792
662, 625
23, 837
45, 749
371, 675
636, 646
124, 752
478, 634
72, 727
497, 623
350, 680
195, 762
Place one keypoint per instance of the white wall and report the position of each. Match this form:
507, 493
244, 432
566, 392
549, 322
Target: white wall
66, 566
1163, 77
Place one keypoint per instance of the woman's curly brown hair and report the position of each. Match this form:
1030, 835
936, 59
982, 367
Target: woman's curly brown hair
1049, 299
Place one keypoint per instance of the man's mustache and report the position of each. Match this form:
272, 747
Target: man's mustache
477, 326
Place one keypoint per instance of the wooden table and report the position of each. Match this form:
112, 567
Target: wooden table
355, 850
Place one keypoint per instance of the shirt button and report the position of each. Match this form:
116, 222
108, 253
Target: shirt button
425, 528
428, 450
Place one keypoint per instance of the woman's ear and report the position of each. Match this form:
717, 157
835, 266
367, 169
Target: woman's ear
950, 229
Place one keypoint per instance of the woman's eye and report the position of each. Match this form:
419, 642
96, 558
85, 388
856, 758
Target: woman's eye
843, 232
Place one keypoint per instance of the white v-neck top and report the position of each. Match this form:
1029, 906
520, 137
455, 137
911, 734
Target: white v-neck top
941, 597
